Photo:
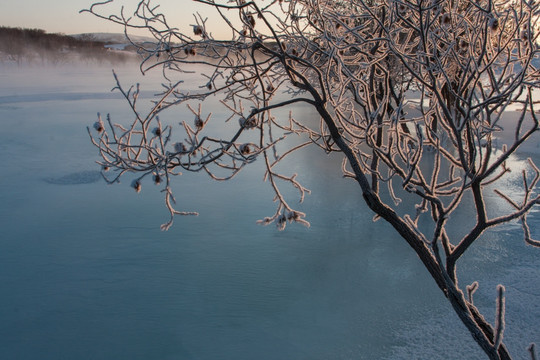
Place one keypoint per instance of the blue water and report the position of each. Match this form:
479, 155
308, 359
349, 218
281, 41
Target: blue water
85, 272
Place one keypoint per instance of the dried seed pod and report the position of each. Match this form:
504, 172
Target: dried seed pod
494, 24
248, 123
197, 30
446, 19
136, 184
524, 36
281, 222
199, 124
245, 149
180, 147
98, 125
293, 216
250, 20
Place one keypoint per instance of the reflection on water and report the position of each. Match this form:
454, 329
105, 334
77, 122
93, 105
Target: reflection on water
86, 273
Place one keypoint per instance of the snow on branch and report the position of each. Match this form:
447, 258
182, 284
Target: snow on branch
418, 97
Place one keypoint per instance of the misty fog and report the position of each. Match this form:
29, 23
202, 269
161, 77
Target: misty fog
86, 272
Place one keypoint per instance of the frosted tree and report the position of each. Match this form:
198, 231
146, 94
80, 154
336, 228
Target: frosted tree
412, 93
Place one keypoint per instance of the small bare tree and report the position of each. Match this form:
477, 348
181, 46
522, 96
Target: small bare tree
413, 93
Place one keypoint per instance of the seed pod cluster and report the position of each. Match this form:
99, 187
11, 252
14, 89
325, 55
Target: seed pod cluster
189, 50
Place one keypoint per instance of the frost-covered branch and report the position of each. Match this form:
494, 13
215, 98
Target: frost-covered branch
414, 95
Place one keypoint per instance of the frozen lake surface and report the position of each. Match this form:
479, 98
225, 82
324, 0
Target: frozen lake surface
86, 273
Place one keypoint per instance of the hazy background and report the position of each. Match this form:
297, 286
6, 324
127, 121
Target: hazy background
60, 16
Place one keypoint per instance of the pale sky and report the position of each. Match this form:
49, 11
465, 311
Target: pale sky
62, 16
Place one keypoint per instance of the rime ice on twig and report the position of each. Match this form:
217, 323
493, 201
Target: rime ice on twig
471, 289
499, 318
414, 95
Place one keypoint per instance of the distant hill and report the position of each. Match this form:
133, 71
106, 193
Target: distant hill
35, 45
111, 38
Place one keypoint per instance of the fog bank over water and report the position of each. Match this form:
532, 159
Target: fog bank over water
86, 273
35, 46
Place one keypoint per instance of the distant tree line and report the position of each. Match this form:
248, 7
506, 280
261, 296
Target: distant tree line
35, 45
